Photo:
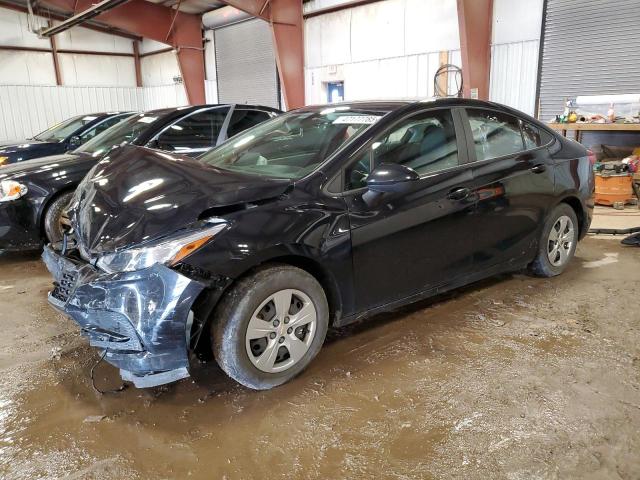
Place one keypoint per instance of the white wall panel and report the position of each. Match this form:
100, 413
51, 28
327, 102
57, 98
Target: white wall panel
387, 49
377, 30
313, 5
148, 46
514, 53
162, 96
103, 70
514, 73
14, 31
26, 110
431, 25
404, 77
516, 20
159, 69
35, 68
79, 38
210, 55
211, 91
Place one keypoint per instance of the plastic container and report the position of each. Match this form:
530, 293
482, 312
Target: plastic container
613, 188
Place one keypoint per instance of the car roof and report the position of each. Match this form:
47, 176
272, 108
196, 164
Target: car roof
415, 104
192, 108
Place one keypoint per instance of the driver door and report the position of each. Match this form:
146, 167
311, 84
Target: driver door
406, 243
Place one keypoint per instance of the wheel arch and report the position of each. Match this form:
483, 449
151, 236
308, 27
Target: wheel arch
47, 203
320, 273
209, 300
576, 205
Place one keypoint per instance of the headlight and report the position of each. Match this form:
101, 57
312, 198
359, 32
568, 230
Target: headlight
10, 190
168, 252
3, 161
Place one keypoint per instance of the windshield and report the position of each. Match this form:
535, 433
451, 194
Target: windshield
61, 131
292, 145
126, 131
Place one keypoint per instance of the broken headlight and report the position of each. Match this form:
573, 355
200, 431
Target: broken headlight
11, 190
166, 251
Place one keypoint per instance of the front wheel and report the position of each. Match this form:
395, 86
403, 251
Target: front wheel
270, 326
53, 217
558, 242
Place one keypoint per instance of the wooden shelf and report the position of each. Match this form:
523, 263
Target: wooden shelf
584, 127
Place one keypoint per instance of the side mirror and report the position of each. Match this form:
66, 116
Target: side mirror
391, 177
74, 142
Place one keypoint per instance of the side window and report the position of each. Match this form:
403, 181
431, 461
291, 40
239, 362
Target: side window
197, 132
535, 136
425, 142
531, 136
101, 127
495, 134
243, 119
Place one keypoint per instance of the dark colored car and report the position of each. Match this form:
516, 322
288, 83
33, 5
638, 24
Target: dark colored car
319, 217
43, 187
60, 138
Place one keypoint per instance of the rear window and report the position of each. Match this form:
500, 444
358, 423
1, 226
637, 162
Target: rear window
535, 136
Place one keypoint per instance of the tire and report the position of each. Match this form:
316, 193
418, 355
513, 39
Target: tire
552, 240
250, 307
52, 226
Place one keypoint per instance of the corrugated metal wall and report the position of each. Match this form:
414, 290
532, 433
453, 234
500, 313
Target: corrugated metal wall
246, 64
26, 110
514, 73
590, 48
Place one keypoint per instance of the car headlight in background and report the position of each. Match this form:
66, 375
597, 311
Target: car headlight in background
11, 190
168, 251
3, 161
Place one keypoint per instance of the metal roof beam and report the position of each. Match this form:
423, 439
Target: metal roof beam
81, 17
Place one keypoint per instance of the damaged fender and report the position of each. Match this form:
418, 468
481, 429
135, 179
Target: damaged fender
141, 319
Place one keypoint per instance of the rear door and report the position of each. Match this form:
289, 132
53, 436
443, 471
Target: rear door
513, 186
410, 242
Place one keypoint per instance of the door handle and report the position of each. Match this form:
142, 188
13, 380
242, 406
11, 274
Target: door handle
459, 194
539, 168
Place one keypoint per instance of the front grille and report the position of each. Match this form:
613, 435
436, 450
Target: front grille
64, 287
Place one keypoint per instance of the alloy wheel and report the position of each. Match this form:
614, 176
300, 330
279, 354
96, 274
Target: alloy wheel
560, 242
281, 330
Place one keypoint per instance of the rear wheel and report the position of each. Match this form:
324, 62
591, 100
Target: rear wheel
558, 242
270, 326
53, 217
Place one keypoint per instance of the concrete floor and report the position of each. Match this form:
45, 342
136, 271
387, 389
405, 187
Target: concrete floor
516, 377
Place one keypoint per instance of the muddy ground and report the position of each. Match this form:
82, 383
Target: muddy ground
512, 378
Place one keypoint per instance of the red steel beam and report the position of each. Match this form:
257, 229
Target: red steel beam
136, 61
474, 21
285, 18
181, 30
54, 56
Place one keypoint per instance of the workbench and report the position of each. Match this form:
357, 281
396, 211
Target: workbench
594, 127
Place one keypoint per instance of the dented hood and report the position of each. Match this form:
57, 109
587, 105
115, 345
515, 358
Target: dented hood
137, 194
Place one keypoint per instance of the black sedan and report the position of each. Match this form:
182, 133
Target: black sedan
60, 138
33, 194
319, 217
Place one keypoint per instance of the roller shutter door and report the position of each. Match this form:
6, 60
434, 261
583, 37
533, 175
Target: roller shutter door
245, 64
590, 48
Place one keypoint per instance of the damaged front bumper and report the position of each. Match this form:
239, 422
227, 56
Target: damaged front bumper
141, 319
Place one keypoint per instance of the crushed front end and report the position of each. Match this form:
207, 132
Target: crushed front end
141, 320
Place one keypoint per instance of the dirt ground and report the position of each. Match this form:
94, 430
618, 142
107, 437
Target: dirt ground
513, 378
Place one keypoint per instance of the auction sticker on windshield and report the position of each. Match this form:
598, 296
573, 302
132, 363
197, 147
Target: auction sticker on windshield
357, 119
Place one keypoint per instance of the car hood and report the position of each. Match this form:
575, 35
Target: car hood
137, 194
39, 165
